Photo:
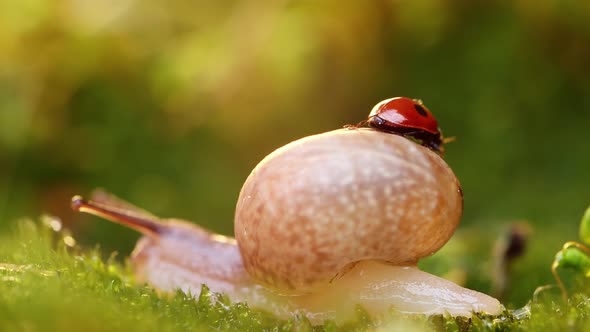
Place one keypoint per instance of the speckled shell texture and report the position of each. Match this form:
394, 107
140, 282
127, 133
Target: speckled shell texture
314, 207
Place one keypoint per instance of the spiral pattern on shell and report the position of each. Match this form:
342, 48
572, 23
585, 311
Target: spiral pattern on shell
314, 207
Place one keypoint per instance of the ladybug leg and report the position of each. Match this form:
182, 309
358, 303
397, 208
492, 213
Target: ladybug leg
356, 126
426, 139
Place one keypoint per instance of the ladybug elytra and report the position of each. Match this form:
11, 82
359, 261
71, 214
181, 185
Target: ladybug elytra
409, 118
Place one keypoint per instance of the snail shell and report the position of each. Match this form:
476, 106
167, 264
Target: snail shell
315, 207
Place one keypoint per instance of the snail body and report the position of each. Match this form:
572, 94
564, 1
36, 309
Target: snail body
322, 224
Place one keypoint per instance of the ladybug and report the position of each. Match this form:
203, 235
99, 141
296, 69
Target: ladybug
409, 118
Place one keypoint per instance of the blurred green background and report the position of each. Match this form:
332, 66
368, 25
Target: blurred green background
170, 104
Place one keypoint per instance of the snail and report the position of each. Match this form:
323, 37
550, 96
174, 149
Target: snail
323, 224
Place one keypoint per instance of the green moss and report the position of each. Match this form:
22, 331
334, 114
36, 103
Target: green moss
46, 285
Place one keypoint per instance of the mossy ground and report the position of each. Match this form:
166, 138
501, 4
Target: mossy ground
47, 283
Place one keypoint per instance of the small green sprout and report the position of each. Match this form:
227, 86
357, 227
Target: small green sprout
574, 255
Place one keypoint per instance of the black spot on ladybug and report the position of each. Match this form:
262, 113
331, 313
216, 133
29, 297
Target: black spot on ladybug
420, 110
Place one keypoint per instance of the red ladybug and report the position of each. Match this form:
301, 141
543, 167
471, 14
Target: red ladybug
407, 117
